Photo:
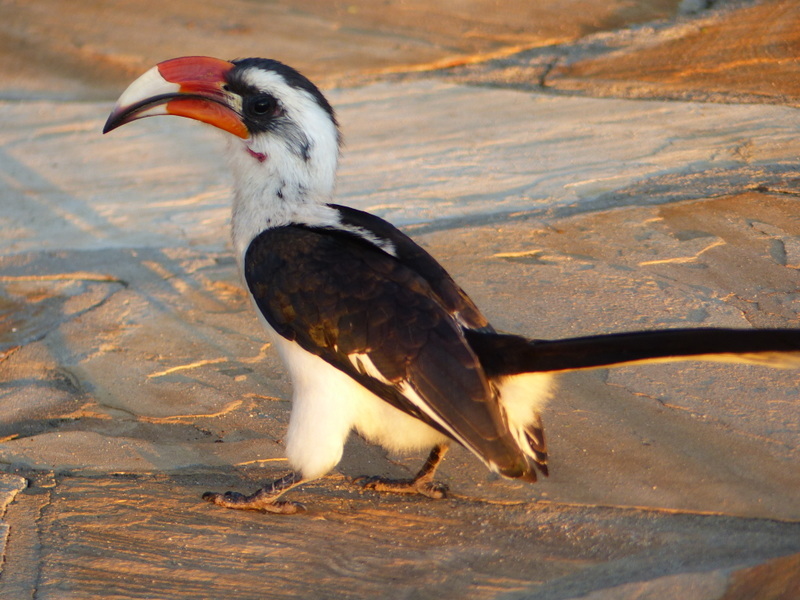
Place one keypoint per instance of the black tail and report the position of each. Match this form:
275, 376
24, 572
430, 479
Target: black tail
503, 354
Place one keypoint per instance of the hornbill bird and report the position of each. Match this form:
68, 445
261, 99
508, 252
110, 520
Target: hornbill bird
375, 334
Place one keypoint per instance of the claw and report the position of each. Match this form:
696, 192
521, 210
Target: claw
436, 490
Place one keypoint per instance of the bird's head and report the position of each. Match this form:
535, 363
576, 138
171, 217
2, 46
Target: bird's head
284, 130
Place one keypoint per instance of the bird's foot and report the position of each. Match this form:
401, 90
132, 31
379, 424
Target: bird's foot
239, 501
422, 483
265, 500
431, 489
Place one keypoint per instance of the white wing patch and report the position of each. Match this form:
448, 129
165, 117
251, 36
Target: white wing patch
364, 365
412, 396
382, 243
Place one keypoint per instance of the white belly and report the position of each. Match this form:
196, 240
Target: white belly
327, 405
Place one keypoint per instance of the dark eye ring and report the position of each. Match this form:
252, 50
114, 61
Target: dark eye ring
264, 106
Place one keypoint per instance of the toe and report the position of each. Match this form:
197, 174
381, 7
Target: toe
434, 490
367, 482
284, 508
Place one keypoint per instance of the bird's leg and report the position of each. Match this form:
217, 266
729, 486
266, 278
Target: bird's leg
264, 499
422, 483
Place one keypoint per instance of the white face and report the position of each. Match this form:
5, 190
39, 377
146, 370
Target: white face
286, 170
295, 121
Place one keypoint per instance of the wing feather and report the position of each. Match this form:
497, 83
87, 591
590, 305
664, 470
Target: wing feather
341, 297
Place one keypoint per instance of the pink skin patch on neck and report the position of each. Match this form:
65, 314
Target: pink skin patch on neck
259, 156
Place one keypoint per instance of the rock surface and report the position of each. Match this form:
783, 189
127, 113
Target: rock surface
134, 377
750, 54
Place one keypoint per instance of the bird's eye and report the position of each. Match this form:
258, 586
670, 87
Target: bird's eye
264, 105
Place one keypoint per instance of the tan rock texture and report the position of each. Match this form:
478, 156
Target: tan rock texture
750, 52
621, 165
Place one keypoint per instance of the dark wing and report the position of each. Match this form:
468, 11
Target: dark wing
374, 318
452, 297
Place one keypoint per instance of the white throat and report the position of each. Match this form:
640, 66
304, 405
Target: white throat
275, 185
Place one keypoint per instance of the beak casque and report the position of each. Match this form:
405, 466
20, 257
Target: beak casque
191, 86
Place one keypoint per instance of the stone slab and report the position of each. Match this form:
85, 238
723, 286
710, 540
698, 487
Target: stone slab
727, 51
134, 536
424, 153
10, 486
93, 49
743, 54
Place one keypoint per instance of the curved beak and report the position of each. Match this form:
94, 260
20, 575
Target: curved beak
192, 86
